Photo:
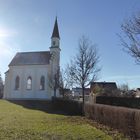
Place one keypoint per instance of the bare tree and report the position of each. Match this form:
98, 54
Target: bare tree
83, 67
67, 75
131, 38
60, 81
62, 84
125, 90
53, 81
124, 87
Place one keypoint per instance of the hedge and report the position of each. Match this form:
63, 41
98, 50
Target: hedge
56, 105
71, 107
126, 120
119, 101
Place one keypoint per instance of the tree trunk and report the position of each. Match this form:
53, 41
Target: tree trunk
54, 92
83, 94
55, 85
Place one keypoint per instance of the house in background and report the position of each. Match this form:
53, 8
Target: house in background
77, 93
29, 73
137, 93
103, 88
66, 93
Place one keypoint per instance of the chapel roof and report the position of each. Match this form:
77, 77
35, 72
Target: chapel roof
31, 58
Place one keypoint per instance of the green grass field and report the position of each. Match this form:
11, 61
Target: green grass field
19, 123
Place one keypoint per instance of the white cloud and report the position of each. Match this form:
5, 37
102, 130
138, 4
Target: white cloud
8, 47
36, 19
124, 77
131, 80
7, 32
6, 50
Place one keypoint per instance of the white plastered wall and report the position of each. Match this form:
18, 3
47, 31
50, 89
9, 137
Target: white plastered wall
35, 71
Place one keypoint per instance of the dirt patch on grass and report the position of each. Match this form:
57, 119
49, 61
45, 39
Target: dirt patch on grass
107, 130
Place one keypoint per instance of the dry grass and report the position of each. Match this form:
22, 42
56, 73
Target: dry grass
17, 122
124, 119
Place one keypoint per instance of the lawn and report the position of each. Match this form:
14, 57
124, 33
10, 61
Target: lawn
19, 123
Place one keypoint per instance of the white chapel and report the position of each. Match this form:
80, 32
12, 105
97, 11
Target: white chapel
29, 73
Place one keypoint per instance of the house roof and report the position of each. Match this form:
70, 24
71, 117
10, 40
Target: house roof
79, 88
106, 85
55, 30
31, 58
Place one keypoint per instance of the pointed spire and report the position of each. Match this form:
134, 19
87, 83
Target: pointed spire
55, 30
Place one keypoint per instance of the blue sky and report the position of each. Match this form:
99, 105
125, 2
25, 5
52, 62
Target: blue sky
26, 25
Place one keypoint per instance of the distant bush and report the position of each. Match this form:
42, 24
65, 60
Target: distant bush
119, 101
1, 90
1, 86
124, 119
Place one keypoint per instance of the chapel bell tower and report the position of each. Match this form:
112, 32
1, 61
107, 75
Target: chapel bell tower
55, 48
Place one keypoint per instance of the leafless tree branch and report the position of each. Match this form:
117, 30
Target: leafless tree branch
83, 68
131, 38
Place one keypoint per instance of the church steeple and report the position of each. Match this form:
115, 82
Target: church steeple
55, 38
55, 33
55, 53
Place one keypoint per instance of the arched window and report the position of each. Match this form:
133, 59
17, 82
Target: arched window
17, 83
42, 83
29, 83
